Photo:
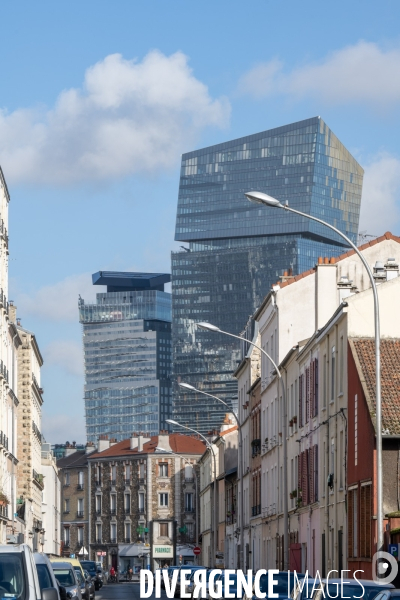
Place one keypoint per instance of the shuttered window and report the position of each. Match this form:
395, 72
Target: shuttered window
365, 521
352, 522
307, 394
301, 401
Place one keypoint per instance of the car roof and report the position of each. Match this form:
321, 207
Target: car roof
18, 548
40, 558
61, 565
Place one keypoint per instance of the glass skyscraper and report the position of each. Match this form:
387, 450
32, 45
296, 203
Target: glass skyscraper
238, 249
127, 354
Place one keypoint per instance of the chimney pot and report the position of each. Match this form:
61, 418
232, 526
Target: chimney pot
326, 260
320, 260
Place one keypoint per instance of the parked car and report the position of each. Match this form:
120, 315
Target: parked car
388, 595
46, 574
101, 575
67, 577
19, 577
91, 587
91, 568
186, 568
74, 562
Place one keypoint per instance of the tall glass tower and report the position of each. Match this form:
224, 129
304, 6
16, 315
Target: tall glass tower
238, 249
127, 353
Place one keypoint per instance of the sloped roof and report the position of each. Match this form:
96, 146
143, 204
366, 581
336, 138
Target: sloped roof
228, 431
363, 351
180, 444
77, 459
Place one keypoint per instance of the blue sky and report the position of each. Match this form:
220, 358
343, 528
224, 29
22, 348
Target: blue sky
99, 99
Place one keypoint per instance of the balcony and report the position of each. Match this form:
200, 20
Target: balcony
127, 481
189, 479
113, 511
98, 541
66, 512
80, 486
256, 510
98, 511
141, 509
189, 509
97, 483
113, 540
38, 479
255, 447
127, 510
141, 480
79, 514
113, 482
127, 540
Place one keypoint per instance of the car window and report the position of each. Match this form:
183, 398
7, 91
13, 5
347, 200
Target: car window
65, 577
12, 577
44, 576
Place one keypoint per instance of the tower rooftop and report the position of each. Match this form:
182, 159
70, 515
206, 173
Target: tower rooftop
117, 281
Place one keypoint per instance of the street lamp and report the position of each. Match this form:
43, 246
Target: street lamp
187, 386
261, 198
209, 446
158, 449
215, 329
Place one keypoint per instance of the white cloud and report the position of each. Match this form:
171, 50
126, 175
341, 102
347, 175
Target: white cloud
128, 117
362, 73
65, 354
380, 204
58, 301
58, 429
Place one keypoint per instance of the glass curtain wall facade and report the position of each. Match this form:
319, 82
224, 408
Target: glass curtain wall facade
127, 355
237, 249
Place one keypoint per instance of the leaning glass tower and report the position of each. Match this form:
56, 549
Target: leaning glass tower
238, 249
127, 353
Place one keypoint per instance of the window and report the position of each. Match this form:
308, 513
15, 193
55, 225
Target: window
127, 533
98, 504
98, 533
66, 536
66, 478
163, 529
113, 503
80, 536
365, 520
341, 365
113, 475
333, 373
188, 473
66, 505
355, 429
352, 513
127, 503
80, 507
80, 479
163, 499
341, 460
325, 382
113, 532
127, 473
189, 506
141, 502
98, 475
163, 469
189, 532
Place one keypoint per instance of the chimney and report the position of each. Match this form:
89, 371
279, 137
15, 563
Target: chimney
104, 443
163, 441
69, 449
392, 268
226, 423
141, 441
345, 287
379, 272
134, 441
89, 448
12, 312
113, 441
325, 287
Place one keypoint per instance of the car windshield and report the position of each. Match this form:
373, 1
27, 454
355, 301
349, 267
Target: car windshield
281, 585
44, 576
12, 579
65, 577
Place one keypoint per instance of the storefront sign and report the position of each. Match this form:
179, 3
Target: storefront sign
163, 551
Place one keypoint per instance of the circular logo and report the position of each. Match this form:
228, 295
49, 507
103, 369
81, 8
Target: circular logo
384, 567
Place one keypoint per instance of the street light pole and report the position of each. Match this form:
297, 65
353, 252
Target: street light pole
158, 449
187, 386
261, 198
210, 448
214, 328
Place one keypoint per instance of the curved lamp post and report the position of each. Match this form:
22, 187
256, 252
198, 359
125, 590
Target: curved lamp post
215, 329
209, 446
158, 449
261, 198
191, 388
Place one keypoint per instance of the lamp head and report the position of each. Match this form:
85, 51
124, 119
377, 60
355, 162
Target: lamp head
187, 386
158, 449
208, 327
171, 422
261, 198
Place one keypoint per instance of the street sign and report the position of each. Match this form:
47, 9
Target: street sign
196, 551
394, 550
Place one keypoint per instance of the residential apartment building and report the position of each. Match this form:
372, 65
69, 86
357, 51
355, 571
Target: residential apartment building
318, 328
10, 525
30, 481
142, 500
75, 500
127, 353
236, 250
51, 503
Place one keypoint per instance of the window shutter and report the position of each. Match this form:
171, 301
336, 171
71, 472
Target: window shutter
350, 529
316, 473
305, 478
300, 419
307, 394
300, 475
316, 390
312, 389
311, 473
368, 518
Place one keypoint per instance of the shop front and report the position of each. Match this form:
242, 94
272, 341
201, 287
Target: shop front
163, 554
133, 556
